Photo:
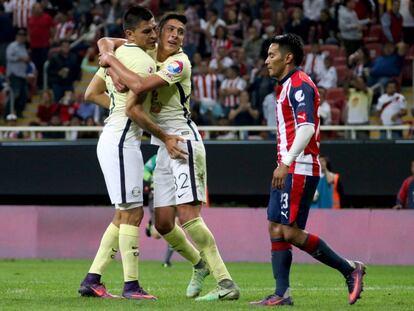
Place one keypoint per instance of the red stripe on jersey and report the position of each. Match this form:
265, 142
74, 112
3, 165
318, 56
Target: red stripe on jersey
298, 183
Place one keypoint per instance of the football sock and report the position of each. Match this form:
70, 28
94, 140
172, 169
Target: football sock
178, 241
168, 254
204, 240
319, 250
107, 250
281, 262
128, 245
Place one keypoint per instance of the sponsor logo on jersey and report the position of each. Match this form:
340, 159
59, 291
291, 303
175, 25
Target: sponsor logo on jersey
136, 192
299, 96
175, 67
150, 70
302, 116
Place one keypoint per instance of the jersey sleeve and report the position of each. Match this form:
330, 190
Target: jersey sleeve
302, 99
101, 73
174, 70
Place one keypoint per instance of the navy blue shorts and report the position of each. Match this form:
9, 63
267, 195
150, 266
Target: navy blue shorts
292, 203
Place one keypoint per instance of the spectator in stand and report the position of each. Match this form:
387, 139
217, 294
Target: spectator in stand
40, 33
392, 23
270, 32
240, 59
329, 193
209, 27
252, 45
360, 62
247, 21
220, 39
192, 37
407, 12
324, 108
11, 120
45, 109
325, 29
221, 62
72, 134
350, 27
231, 89
405, 197
312, 9
6, 33
17, 61
21, 10
244, 113
358, 105
62, 71
205, 94
90, 134
64, 27
389, 65
86, 110
298, 24
113, 12
315, 61
269, 113
233, 26
67, 107
391, 107
328, 77
54, 121
262, 85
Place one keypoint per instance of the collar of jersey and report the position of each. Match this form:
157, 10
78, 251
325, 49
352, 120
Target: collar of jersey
290, 73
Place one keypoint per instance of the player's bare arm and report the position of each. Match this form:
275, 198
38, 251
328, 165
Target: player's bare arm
135, 111
109, 45
95, 92
133, 81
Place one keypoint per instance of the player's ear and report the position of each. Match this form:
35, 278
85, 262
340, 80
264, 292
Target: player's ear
289, 58
129, 33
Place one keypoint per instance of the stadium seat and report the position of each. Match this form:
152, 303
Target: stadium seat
342, 73
332, 49
335, 94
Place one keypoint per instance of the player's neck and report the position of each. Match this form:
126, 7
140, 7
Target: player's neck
162, 54
285, 72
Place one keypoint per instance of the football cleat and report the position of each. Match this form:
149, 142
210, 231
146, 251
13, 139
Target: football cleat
354, 281
95, 290
221, 293
274, 300
139, 294
196, 282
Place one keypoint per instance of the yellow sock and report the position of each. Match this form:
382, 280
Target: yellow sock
204, 240
107, 249
178, 241
128, 245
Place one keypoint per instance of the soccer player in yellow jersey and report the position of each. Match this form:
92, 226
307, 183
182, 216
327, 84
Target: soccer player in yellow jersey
121, 160
179, 186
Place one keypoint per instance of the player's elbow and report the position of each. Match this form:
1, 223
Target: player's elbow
136, 88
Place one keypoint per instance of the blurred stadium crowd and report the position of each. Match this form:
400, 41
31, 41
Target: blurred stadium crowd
359, 52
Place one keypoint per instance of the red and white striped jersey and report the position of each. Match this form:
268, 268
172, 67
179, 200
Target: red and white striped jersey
22, 9
238, 83
297, 103
205, 86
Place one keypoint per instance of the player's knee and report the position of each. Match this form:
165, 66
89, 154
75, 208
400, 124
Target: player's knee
164, 226
131, 215
275, 230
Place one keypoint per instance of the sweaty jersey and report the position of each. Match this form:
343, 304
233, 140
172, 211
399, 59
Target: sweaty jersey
297, 103
170, 104
118, 123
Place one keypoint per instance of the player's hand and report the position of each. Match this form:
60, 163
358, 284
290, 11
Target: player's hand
175, 152
279, 176
105, 59
116, 80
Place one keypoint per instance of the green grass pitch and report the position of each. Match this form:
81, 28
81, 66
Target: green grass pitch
53, 284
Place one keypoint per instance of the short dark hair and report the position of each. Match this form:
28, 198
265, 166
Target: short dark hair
134, 15
291, 43
172, 15
391, 81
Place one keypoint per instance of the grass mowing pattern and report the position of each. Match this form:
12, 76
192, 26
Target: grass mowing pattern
53, 285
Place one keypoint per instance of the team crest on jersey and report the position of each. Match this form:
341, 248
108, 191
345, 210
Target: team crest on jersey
299, 96
175, 67
150, 70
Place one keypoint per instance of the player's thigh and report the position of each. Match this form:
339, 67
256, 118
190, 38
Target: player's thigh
123, 170
190, 175
164, 184
290, 206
